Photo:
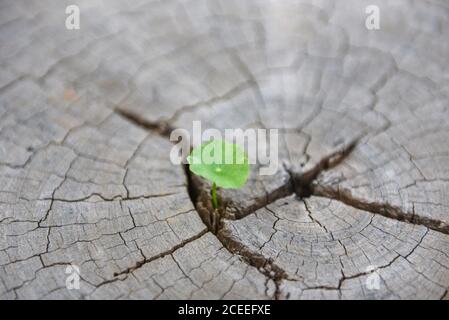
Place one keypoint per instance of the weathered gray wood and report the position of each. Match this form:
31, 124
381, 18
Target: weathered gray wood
328, 249
110, 211
403, 171
361, 192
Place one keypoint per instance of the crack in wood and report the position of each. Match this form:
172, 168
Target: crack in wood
140, 263
303, 184
383, 209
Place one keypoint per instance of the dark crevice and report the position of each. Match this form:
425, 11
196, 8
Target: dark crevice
213, 219
305, 186
384, 209
162, 128
264, 265
200, 189
235, 213
445, 295
303, 182
144, 261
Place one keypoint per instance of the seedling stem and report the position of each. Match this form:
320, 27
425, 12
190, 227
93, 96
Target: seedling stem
214, 196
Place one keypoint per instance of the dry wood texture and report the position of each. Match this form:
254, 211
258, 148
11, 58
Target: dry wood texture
361, 195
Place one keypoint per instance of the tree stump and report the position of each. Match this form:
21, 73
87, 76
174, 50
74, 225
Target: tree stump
358, 208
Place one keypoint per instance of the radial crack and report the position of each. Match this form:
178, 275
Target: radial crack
144, 261
303, 182
384, 209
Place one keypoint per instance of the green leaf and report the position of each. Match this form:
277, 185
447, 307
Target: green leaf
223, 163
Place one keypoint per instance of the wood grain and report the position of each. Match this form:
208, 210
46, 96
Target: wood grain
358, 208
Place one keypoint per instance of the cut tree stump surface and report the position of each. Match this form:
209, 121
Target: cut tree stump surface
359, 206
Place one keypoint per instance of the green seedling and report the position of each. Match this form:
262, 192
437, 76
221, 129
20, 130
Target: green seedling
224, 164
